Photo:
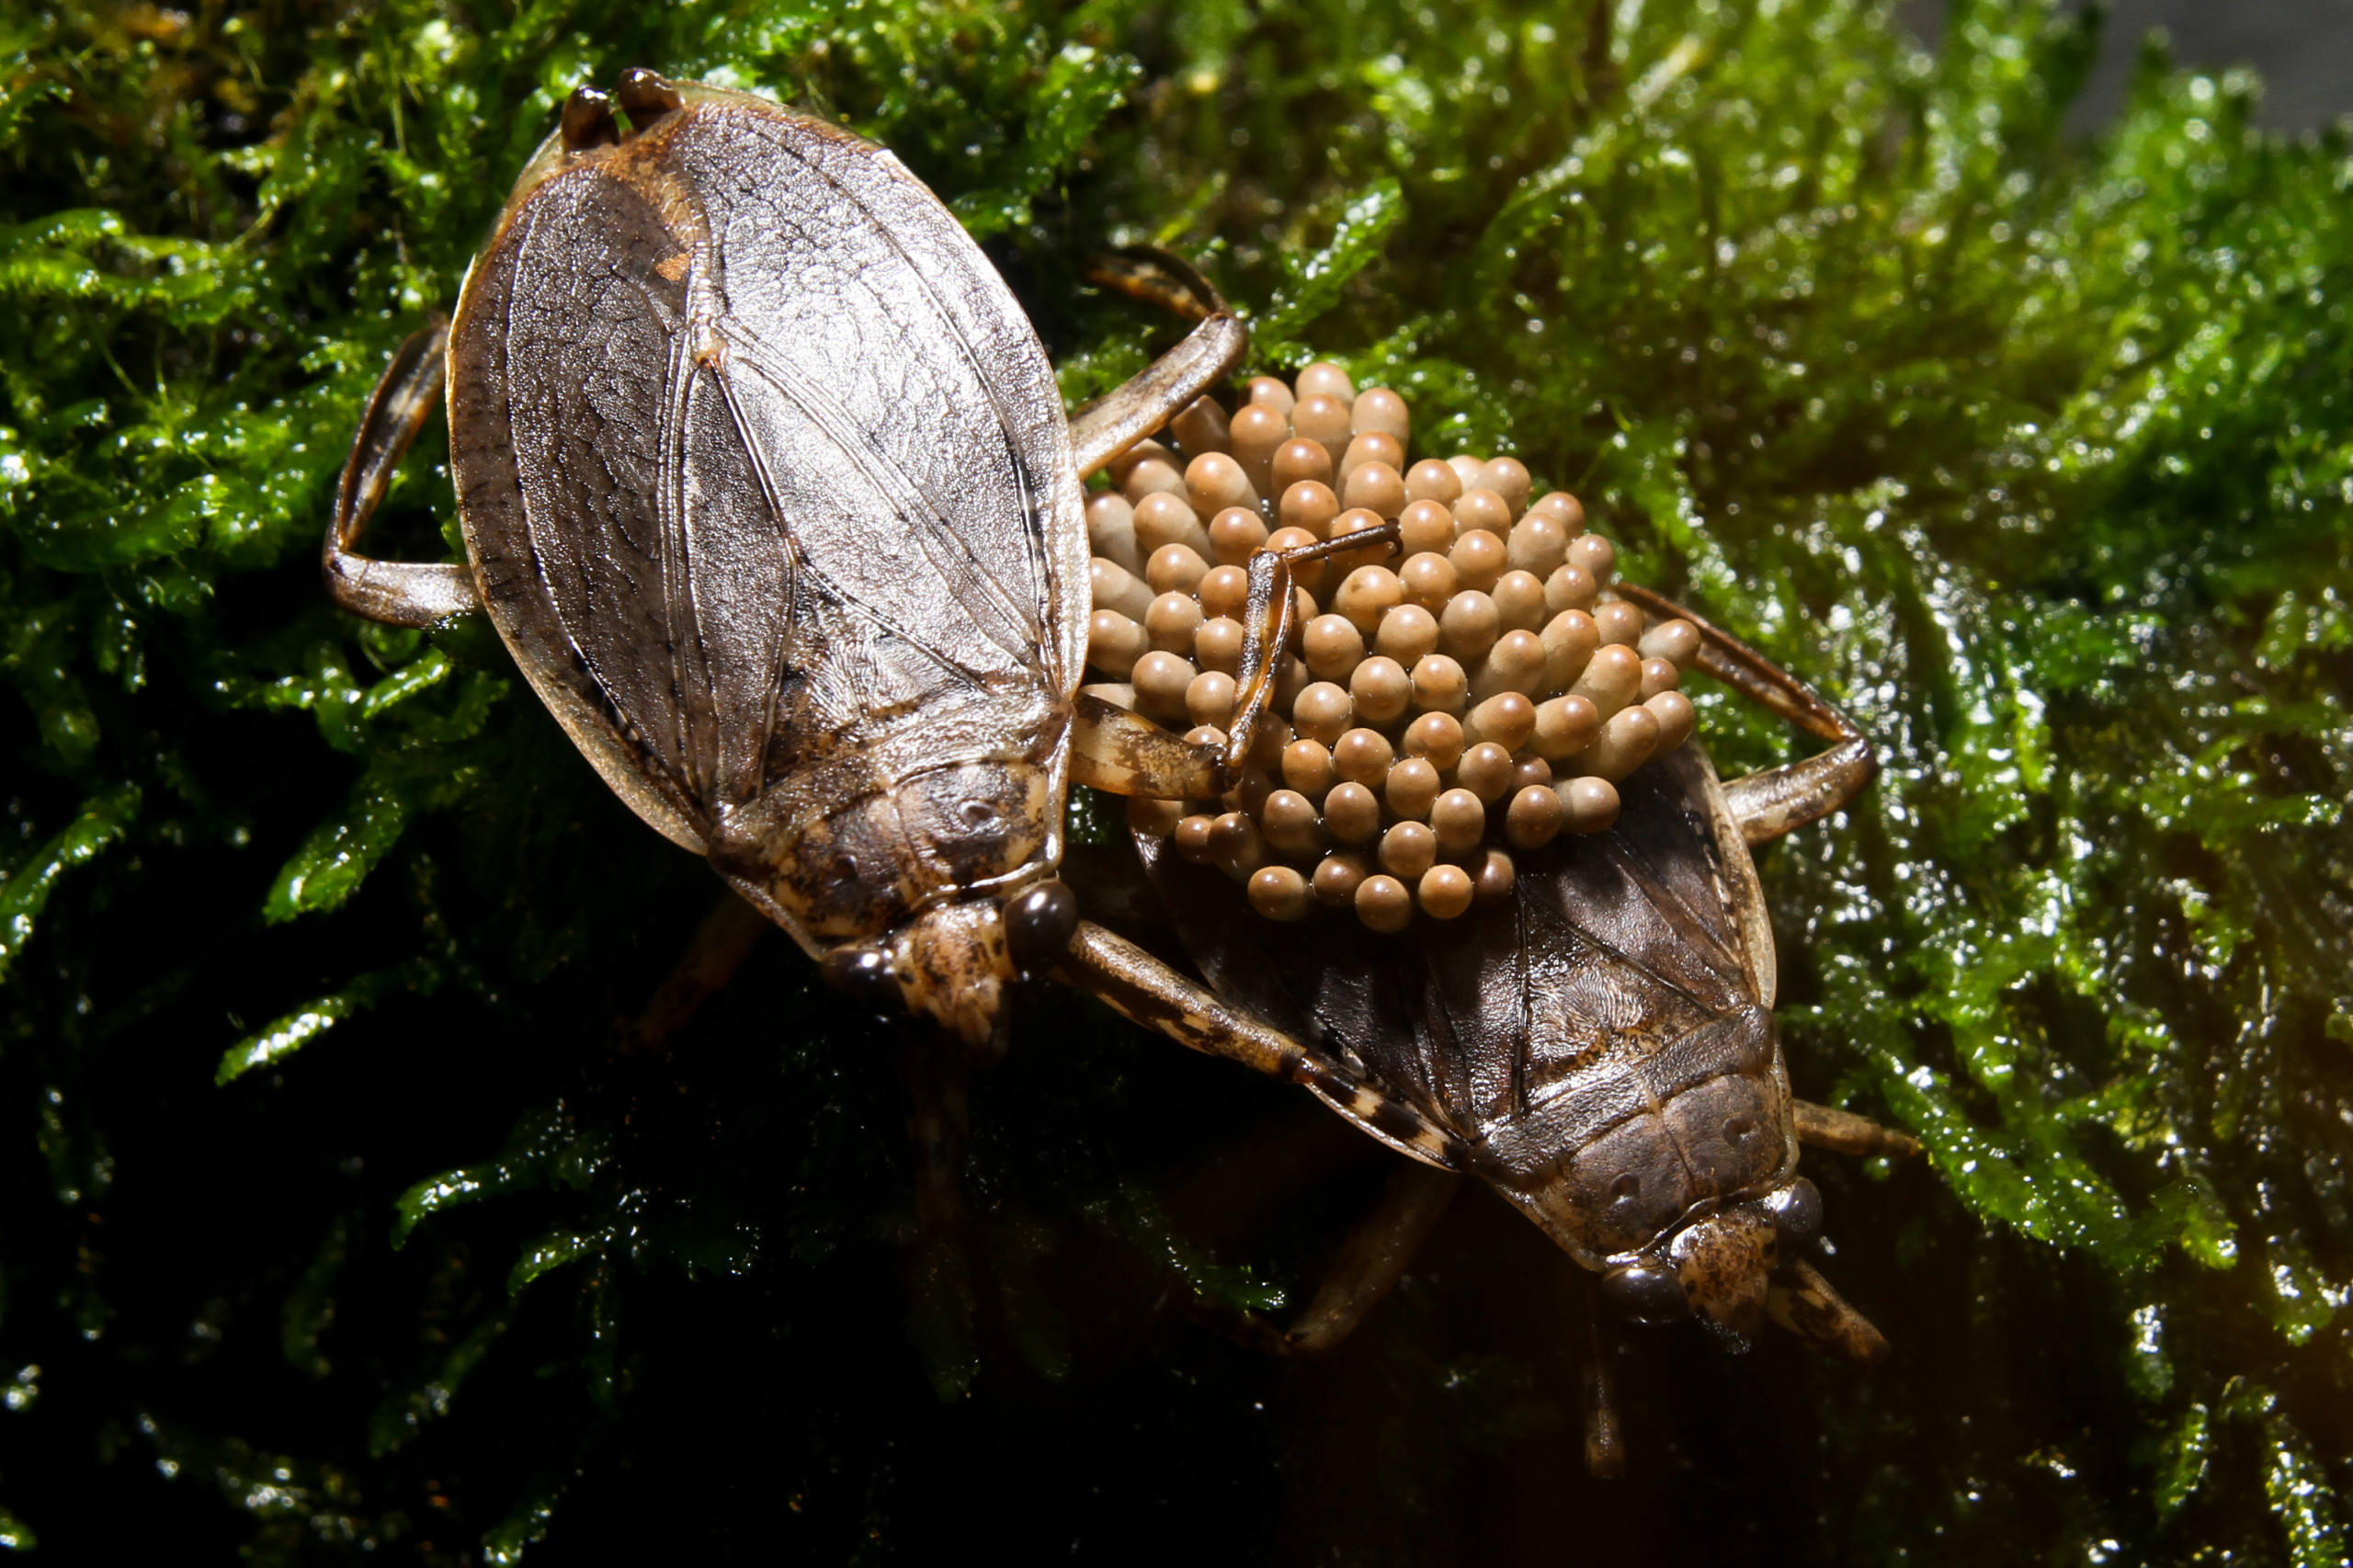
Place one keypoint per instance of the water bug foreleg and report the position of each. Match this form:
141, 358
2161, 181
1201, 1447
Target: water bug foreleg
397, 593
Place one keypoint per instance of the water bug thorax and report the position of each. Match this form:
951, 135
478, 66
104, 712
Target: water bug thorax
952, 964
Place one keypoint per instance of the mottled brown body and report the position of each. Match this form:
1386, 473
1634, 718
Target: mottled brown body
766, 484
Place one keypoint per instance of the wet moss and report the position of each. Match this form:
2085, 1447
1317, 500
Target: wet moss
343, 1217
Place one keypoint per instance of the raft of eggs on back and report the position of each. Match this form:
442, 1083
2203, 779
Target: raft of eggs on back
1442, 705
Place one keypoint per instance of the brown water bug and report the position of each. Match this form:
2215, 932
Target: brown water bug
1591, 1036
765, 482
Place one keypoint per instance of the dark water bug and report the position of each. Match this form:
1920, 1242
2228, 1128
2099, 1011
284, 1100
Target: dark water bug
765, 481
1597, 1044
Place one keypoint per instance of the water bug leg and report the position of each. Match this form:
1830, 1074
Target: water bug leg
396, 592
1843, 1133
717, 950
1375, 1256
1604, 1428
1104, 429
1801, 1301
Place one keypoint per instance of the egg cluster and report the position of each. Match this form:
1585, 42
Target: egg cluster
1473, 690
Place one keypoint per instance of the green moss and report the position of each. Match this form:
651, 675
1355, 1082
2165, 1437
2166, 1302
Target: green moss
2037, 455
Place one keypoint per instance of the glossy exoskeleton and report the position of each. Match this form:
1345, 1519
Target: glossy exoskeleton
765, 481
1598, 1046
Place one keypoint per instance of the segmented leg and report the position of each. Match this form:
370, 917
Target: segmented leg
397, 593
1374, 1257
1142, 989
1104, 429
712, 955
1778, 799
1604, 1430
1843, 1133
1801, 1301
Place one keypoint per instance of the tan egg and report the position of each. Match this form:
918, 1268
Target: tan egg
1481, 507
1362, 757
1299, 460
1208, 735
1161, 681
1309, 503
1172, 622
1235, 535
1506, 720
1323, 378
1201, 426
1256, 430
1370, 593
1677, 642
1408, 849
1520, 601
1291, 823
1383, 905
1308, 575
1307, 767
1322, 713
1114, 588
1351, 814
1491, 883
1658, 674
1425, 528
1565, 726
1223, 590
1460, 820
1569, 640
1409, 632
1333, 646
1164, 519
1278, 892
1627, 739
1619, 622
1412, 785
1371, 447
1356, 519
1676, 718
1444, 891
1235, 845
1268, 391
1539, 544
1322, 419
1111, 530
1153, 819
1146, 469
1528, 768
1562, 509
1437, 738
1217, 645
1294, 679
1269, 740
1507, 477
1430, 480
1533, 819
1214, 481
1428, 580
1467, 626
1337, 876
1587, 805
1478, 557
1611, 680
1515, 663
1595, 555
1440, 685
1114, 642
1571, 587
1209, 698
1376, 487
1380, 690
1192, 838
1379, 410
1466, 468
1487, 771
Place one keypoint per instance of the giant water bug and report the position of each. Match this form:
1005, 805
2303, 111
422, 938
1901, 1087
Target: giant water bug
765, 481
1597, 1047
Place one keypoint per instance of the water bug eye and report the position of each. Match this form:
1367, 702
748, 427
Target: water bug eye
864, 976
1039, 924
1796, 1212
1645, 1294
